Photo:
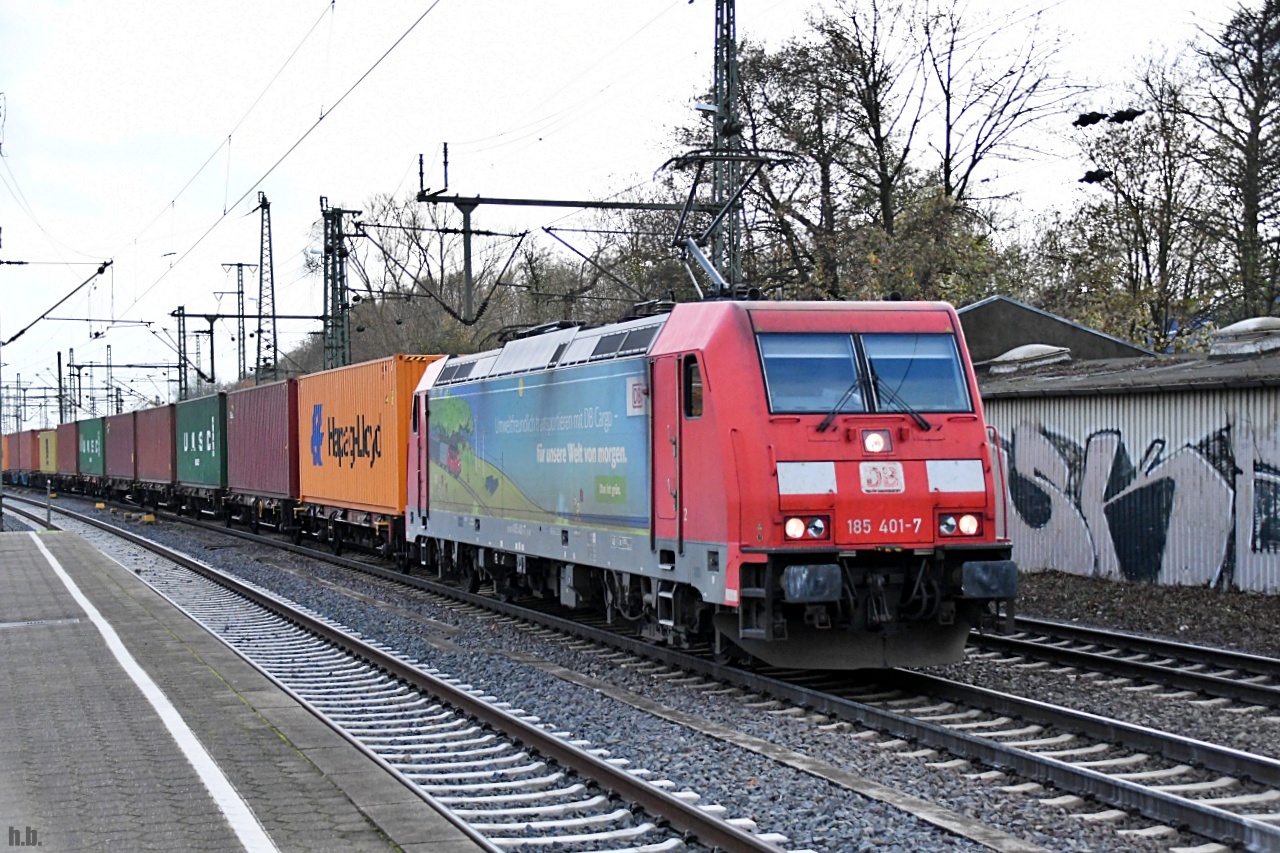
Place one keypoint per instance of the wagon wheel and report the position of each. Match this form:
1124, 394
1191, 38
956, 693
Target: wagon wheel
726, 652
255, 517
335, 534
468, 574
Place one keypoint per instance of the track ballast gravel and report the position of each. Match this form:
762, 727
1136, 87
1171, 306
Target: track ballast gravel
814, 813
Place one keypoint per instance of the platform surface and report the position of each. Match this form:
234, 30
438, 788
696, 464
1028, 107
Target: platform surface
87, 763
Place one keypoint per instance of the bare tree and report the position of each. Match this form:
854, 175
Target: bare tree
875, 51
1237, 106
795, 99
1166, 262
993, 80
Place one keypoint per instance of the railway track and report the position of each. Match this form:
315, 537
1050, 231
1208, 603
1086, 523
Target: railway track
1227, 795
501, 772
1250, 679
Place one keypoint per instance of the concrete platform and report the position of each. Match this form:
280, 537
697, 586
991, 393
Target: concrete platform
91, 760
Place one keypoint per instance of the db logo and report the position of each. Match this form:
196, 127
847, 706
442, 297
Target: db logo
881, 477
637, 397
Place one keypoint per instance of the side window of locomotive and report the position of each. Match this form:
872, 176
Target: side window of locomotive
692, 387
809, 373
921, 372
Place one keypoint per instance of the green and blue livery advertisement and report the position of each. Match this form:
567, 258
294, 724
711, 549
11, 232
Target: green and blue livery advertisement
567, 446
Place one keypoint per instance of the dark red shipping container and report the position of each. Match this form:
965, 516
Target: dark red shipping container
156, 460
28, 444
121, 442
69, 449
262, 440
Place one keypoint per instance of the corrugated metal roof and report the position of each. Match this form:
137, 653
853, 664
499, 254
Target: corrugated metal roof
991, 300
1135, 376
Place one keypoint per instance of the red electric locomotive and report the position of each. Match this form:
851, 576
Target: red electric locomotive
811, 483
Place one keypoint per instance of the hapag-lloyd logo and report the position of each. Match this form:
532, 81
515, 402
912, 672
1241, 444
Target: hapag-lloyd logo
345, 442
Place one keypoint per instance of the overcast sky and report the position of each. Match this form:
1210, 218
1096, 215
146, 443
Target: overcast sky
141, 132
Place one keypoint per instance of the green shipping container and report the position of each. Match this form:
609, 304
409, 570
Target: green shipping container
92, 450
201, 441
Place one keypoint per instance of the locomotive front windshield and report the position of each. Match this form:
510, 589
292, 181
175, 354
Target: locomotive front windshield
822, 373
811, 373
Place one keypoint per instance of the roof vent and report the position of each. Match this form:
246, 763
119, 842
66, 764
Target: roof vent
1026, 357
1248, 337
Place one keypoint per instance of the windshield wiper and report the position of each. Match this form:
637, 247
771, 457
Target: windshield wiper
902, 404
835, 410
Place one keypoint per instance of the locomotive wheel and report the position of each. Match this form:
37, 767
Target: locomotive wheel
468, 575
503, 586
726, 652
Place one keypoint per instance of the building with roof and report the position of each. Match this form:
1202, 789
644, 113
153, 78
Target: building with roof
999, 324
1158, 469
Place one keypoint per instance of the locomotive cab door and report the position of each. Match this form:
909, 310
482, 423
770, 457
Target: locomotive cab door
423, 466
665, 399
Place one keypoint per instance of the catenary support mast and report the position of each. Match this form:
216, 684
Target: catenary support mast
268, 355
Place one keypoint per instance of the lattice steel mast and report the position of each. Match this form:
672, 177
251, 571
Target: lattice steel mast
267, 341
726, 246
337, 309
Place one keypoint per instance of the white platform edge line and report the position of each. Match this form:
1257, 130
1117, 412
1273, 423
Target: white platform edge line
237, 812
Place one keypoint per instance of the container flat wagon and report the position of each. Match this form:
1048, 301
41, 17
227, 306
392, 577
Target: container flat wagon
352, 434
200, 442
157, 460
120, 457
262, 455
48, 454
92, 454
68, 473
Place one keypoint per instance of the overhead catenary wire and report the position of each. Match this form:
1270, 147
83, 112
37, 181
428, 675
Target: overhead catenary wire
306, 133
327, 8
18, 196
573, 79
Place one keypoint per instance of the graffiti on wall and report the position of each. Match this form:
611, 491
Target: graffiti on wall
1202, 513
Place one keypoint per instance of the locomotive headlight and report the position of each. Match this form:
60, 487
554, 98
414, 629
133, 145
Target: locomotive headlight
794, 528
816, 528
876, 441
964, 525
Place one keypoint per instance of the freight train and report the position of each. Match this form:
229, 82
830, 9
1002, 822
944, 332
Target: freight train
809, 484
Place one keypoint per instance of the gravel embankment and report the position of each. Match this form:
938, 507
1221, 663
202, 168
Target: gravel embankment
813, 813
14, 524
1246, 622
1242, 621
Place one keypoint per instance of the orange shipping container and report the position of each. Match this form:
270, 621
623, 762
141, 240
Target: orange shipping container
9, 461
353, 433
